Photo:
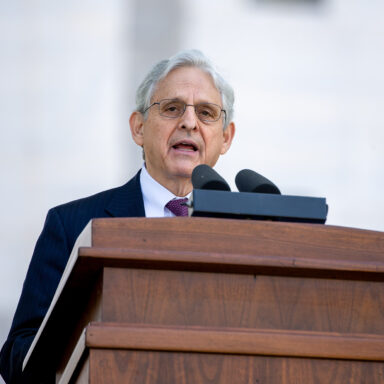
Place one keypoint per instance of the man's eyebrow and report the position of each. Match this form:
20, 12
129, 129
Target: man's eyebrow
182, 100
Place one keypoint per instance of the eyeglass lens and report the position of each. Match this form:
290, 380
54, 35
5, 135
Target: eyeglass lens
175, 108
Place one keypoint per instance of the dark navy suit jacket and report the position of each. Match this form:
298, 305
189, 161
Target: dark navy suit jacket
61, 229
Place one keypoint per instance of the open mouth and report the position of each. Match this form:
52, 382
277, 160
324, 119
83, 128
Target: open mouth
185, 146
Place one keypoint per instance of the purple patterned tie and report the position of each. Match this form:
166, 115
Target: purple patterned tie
176, 207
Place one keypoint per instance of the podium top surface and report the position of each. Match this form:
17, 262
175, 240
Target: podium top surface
240, 237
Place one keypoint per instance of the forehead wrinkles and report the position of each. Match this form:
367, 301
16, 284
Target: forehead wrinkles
184, 83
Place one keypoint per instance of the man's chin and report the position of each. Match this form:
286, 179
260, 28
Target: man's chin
184, 165
184, 171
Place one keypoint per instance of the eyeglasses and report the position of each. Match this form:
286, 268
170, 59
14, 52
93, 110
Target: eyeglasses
173, 108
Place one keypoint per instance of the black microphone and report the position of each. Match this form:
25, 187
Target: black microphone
204, 177
250, 181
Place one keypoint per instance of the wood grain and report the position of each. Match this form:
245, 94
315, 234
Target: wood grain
232, 300
230, 262
236, 341
128, 367
223, 236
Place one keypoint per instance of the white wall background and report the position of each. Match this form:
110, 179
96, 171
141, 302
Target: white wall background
309, 88
63, 111
309, 82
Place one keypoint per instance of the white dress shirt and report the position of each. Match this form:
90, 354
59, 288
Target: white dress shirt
155, 196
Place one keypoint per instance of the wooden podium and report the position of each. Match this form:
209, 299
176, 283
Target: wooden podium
195, 300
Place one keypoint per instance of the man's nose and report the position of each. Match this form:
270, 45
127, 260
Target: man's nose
189, 119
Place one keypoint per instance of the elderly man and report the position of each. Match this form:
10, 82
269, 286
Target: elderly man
183, 119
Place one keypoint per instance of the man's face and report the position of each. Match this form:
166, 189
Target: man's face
174, 147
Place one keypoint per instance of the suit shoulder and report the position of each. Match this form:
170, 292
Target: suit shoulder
123, 201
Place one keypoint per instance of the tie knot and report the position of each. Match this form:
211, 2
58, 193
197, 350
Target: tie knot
177, 207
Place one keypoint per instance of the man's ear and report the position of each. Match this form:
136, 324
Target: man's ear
228, 135
136, 122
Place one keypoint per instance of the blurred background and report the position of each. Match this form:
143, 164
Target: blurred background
309, 83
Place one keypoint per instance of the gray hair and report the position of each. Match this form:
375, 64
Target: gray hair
187, 58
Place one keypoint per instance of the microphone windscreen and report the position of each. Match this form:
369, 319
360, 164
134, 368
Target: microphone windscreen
204, 177
250, 181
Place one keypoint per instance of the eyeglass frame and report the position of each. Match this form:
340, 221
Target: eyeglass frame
185, 107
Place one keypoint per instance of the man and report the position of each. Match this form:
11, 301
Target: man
183, 119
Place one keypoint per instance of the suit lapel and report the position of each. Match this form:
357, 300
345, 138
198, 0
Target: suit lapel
127, 201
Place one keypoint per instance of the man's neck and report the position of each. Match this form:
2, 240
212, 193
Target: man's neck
179, 186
